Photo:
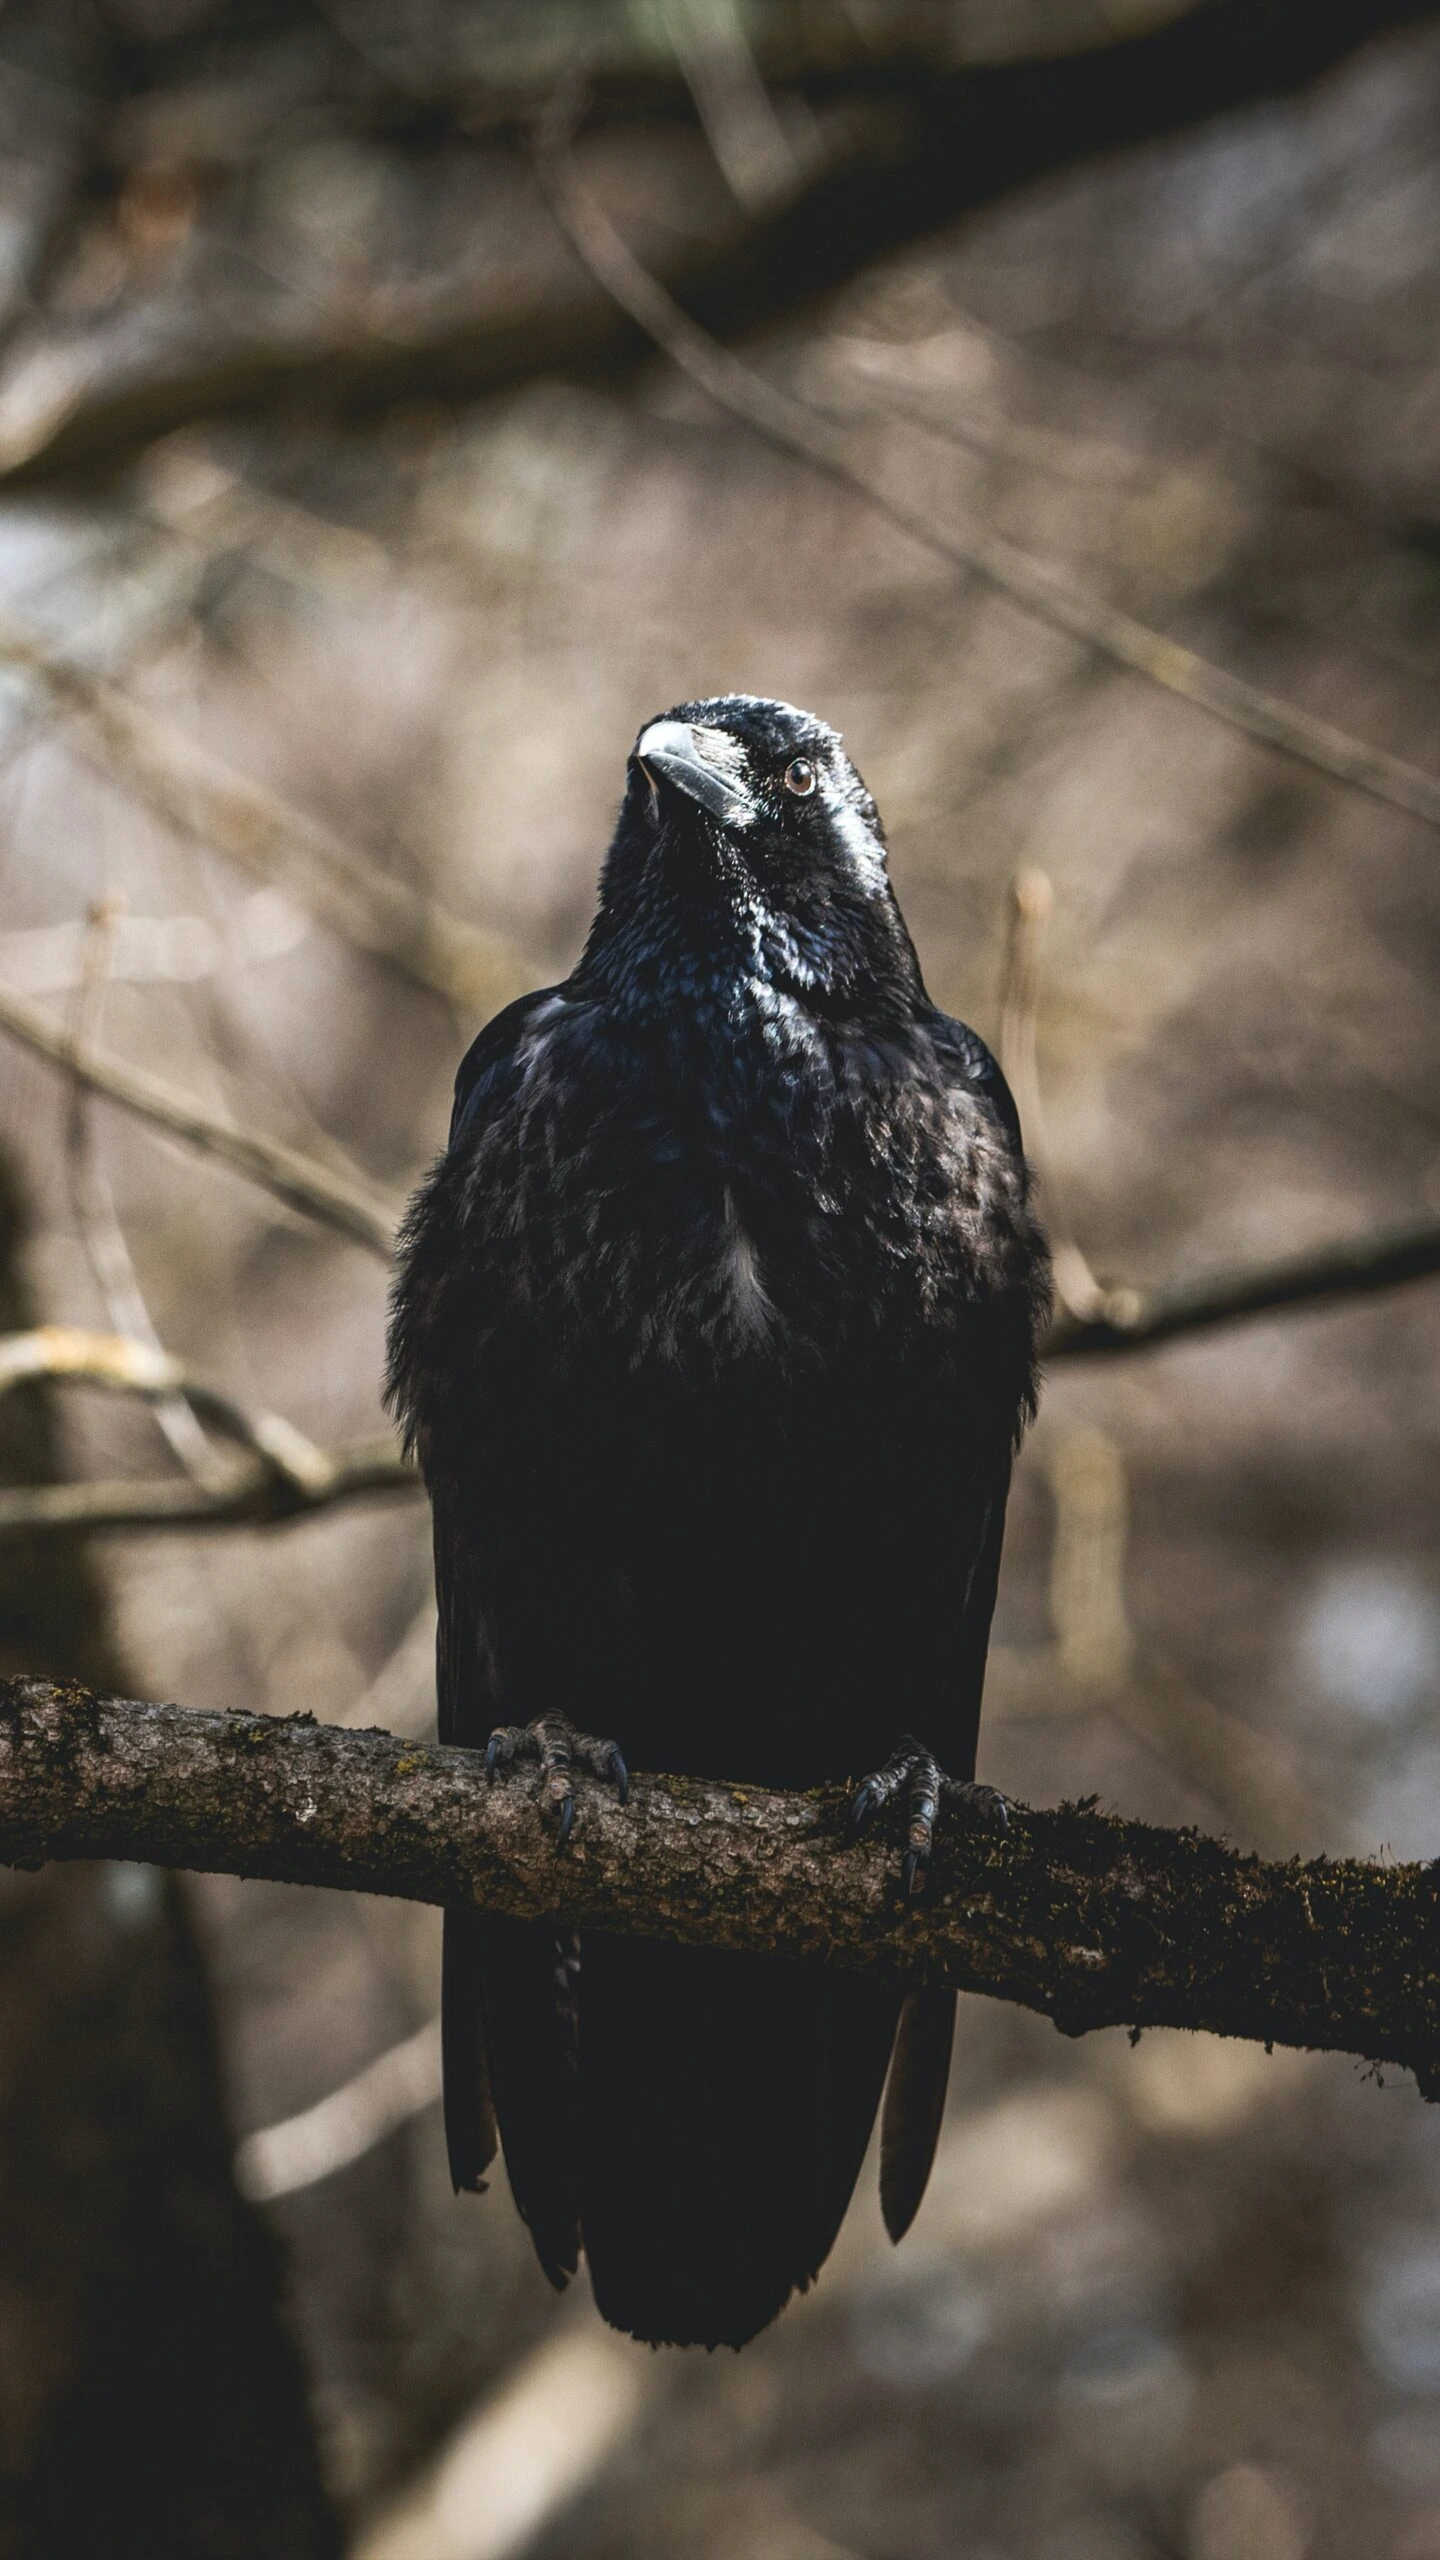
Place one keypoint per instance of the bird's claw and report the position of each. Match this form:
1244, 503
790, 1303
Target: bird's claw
560, 1748
984, 1808
914, 1773
862, 1806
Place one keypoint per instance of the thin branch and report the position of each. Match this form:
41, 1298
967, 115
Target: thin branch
1029, 583
255, 1497
93, 1201
1090, 1920
1100, 1664
760, 161
135, 1366
192, 791
1130, 1320
284, 1473
1353, 1266
1031, 899
921, 112
302, 1183
279, 2159
401, 1697
1091, 1317
528, 2451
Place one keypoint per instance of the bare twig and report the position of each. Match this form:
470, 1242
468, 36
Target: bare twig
313, 1189
194, 792
886, 100
1031, 899
1237, 1769
1090, 1920
255, 1497
401, 1697
1353, 1266
285, 1473
1134, 1321
527, 2451
1131, 1319
94, 1203
1029, 583
758, 159
278, 2159
138, 1367
1092, 1317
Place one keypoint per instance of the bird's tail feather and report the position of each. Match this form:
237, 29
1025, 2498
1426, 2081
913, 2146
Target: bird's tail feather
914, 2104
470, 2131
725, 2105
509, 1997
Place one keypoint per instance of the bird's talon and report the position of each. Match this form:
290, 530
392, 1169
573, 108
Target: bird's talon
862, 1806
560, 1747
507, 1744
913, 1777
983, 1808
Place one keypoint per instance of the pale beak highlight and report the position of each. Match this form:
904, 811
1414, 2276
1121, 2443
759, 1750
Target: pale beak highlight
706, 764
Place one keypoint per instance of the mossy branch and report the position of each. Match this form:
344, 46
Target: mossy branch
1090, 1920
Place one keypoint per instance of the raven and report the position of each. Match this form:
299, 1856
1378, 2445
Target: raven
714, 1332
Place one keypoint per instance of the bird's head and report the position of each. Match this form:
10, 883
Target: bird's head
749, 860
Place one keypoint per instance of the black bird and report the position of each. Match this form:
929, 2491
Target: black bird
715, 1331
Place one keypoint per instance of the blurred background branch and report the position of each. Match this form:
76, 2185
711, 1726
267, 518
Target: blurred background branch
1028, 582
301, 1183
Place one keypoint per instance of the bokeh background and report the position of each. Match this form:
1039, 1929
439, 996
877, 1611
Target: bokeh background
325, 455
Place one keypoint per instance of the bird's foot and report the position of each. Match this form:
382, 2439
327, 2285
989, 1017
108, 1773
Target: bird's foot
560, 1748
915, 1774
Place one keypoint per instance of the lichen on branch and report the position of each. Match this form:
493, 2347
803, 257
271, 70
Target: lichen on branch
1090, 1920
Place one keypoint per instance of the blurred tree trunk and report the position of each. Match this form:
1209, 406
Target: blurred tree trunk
150, 2399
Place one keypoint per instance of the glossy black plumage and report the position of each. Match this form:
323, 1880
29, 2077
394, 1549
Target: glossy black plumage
714, 1331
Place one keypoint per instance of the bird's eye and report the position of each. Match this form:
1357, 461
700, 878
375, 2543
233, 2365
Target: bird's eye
800, 777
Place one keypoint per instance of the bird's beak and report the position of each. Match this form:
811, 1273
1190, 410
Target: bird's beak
706, 764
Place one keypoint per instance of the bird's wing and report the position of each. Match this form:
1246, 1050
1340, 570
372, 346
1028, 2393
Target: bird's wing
507, 2009
470, 2130
975, 1067
919, 2075
490, 1064
507, 1988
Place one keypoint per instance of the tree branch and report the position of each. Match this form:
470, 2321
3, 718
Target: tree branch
255, 1496
192, 791
300, 1181
282, 1475
1129, 1320
92, 1200
1353, 1266
261, 1494
1031, 584
923, 113
1089, 1920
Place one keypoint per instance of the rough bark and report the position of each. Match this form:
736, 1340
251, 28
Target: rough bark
1090, 1920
